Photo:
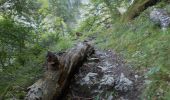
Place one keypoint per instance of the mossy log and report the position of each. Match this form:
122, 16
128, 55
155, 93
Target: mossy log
136, 8
56, 81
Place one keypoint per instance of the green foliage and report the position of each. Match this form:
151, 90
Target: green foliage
13, 39
45, 3
63, 43
21, 8
64, 9
20, 52
23, 47
144, 45
27, 30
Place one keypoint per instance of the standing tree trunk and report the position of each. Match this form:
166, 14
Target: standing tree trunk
56, 81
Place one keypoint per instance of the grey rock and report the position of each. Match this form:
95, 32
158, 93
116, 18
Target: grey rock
107, 80
123, 84
88, 78
161, 17
110, 97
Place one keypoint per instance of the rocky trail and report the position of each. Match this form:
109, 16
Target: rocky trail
98, 75
106, 76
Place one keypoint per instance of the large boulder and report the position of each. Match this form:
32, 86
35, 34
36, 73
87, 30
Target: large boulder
160, 17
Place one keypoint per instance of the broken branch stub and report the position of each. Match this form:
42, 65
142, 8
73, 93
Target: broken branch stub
59, 73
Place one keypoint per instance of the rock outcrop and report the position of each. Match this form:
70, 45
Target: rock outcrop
160, 17
105, 76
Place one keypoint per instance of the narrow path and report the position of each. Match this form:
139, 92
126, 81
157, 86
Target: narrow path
105, 76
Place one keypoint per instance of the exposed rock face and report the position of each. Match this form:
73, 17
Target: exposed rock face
161, 17
123, 84
105, 76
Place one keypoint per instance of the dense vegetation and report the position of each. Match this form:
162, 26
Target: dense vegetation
29, 28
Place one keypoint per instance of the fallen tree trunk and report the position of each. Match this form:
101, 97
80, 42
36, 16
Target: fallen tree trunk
60, 70
137, 7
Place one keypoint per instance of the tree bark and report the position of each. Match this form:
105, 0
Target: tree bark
136, 8
55, 82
